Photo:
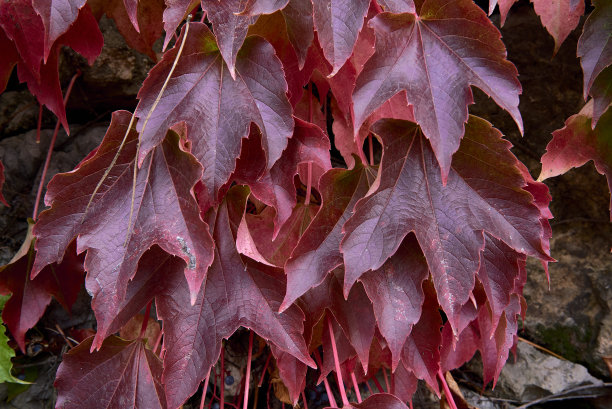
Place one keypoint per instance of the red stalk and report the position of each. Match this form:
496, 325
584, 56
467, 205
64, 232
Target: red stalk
386, 379
304, 400
248, 371
309, 185
345, 401
50, 151
145, 319
214, 391
356, 387
222, 387
410, 403
158, 341
378, 385
263, 373
447, 392
371, 149
204, 387
39, 124
369, 388
330, 395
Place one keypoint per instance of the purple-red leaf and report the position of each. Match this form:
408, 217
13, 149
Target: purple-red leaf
216, 110
338, 23
121, 375
448, 221
164, 212
397, 294
379, 401
398, 6
318, 251
236, 294
559, 17
57, 17
435, 56
174, 13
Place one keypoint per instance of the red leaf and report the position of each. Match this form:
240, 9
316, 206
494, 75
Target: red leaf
236, 294
10, 57
174, 13
404, 383
577, 143
457, 351
595, 52
398, 6
257, 95
121, 375
338, 23
397, 294
164, 212
435, 58
379, 401
255, 7
559, 17
30, 297
291, 371
57, 17
318, 251
448, 221
421, 353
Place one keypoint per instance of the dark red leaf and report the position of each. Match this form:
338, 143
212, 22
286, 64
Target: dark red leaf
404, 383
175, 12
236, 294
577, 143
121, 375
256, 7
57, 17
435, 58
165, 212
397, 294
338, 23
291, 371
595, 52
30, 297
448, 221
379, 401
457, 351
318, 251
10, 57
257, 95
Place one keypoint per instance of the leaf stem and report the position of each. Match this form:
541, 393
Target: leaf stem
39, 123
308, 185
387, 384
248, 371
371, 149
263, 372
447, 392
378, 385
330, 395
222, 387
345, 401
356, 387
158, 341
204, 388
304, 400
145, 319
43, 176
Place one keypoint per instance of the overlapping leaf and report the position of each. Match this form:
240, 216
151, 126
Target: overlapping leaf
121, 375
57, 17
115, 230
216, 110
448, 221
435, 56
236, 294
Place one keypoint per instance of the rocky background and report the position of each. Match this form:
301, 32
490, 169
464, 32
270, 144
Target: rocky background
567, 336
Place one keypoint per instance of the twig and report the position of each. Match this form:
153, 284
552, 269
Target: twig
561, 395
541, 348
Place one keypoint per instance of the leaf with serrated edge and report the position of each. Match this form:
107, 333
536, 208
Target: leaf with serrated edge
448, 221
435, 56
217, 111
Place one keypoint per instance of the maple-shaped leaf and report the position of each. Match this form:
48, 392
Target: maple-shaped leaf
146, 284
435, 56
448, 221
421, 353
236, 294
57, 17
115, 230
30, 297
397, 294
121, 375
595, 52
577, 143
2, 199
276, 187
139, 22
318, 251
217, 110
338, 23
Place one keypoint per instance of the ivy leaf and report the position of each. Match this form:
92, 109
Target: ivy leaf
577, 143
318, 251
165, 212
435, 57
236, 294
216, 129
595, 52
122, 375
448, 221
338, 23
397, 294
57, 17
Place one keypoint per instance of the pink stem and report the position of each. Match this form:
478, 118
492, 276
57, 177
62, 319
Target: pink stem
447, 392
50, 151
369, 388
371, 148
386, 380
222, 387
330, 395
214, 391
345, 401
263, 373
248, 371
145, 319
410, 403
356, 387
304, 400
378, 385
309, 185
39, 124
158, 341
204, 387
203, 16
